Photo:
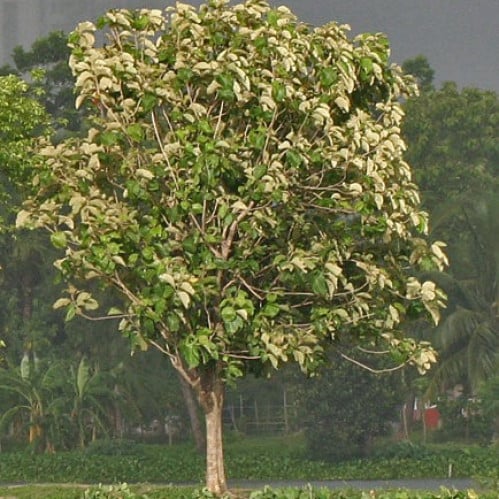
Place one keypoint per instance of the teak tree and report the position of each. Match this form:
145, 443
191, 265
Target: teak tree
243, 188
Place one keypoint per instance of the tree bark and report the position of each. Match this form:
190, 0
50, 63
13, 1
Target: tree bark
211, 398
192, 410
117, 416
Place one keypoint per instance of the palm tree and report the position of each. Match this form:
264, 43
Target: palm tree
468, 337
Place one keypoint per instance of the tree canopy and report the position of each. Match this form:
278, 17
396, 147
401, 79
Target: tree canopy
22, 119
452, 146
243, 188
452, 137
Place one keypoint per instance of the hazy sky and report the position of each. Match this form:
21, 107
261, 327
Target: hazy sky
459, 37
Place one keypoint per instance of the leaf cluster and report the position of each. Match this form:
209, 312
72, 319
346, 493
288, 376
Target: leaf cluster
242, 186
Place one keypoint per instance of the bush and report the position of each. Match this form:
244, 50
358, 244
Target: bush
311, 493
402, 450
114, 447
345, 409
466, 420
121, 491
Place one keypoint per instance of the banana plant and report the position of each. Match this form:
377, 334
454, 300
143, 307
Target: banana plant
93, 398
35, 388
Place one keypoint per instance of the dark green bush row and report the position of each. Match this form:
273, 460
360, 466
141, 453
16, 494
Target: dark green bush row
178, 464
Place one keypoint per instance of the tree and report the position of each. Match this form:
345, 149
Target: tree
22, 119
243, 187
47, 58
420, 68
452, 146
468, 335
452, 142
345, 408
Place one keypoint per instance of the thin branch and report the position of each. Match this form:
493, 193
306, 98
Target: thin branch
102, 317
160, 144
219, 120
252, 289
374, 352
242, 356
162, 349
177, 363
368, 368
229, 238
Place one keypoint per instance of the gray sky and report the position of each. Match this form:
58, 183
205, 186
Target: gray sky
459, 37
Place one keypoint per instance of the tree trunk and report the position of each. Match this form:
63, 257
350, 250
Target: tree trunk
192, 410
211, 398
117, 416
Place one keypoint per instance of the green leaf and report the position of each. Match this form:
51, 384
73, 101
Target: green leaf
140, 22
319, 284
228, 314
173, 322
135, 132
233, 326
259, 171
59, 240
71, 312
149, 102
190, 351
367, 65
278, 91
271, 310
272, 18
109, 138
328, 76
293, 158
82, 377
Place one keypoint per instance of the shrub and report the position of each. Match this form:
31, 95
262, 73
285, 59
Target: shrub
345, 409
121, 491
114, 447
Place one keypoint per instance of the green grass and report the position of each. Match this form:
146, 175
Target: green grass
161, 492
75, 491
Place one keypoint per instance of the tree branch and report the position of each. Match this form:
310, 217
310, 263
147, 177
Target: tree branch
368, 368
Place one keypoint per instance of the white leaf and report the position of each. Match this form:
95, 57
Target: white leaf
142, 172
61, 302
184, 298
342, 103
186, 286
22, 217
119, 260
239, 206
242, 313
168, 278
355, 187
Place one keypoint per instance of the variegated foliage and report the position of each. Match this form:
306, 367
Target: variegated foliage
242, 186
